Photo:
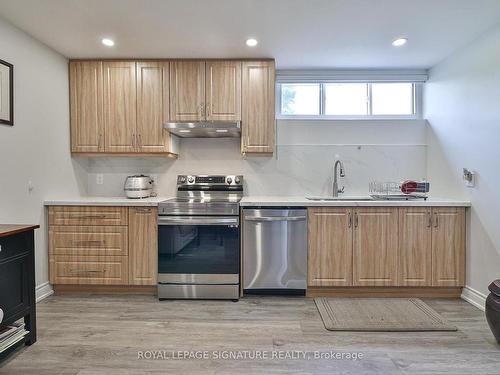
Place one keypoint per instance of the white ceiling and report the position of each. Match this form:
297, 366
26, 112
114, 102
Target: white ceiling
298, 33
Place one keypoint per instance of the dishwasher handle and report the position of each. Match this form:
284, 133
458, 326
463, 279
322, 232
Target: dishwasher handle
275, 218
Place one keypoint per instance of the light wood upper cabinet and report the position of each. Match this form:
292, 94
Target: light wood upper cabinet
152, 106
187, 90
258, 119
143, 247
375, 246
86, 96
120, 106
223, 91
448, 246
415, 235
330, 247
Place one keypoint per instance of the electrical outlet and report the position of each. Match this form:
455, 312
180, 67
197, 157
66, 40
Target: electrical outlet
30, 186
469, 177
99, 179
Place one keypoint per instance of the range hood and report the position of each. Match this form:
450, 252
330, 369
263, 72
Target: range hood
208, 129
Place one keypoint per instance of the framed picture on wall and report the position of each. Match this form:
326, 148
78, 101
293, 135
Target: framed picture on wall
6, 93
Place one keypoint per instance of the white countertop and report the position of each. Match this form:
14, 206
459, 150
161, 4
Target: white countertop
105, 201
271, 201
252, 201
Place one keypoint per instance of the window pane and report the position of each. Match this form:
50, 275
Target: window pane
392, 98
300, 99
346, 99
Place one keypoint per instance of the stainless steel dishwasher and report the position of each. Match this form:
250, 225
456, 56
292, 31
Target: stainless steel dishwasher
275, 251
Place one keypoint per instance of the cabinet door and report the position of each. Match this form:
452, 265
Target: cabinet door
15, 285
120, 106
375, 245
143, 247
258, 107
152, 106
330, 247
86, 121
223, 91
187, 90
415, 246
448, 246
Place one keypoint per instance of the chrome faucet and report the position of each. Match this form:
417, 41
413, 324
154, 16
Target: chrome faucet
336, 190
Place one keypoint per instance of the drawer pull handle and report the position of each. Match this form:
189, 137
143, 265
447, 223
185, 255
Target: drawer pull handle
87, 271
88, 217
144, 210
88, 242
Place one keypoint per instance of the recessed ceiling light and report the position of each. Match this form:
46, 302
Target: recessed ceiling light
108, 42
251, 42
399, 42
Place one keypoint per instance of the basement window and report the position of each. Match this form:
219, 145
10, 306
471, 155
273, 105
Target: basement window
349, 100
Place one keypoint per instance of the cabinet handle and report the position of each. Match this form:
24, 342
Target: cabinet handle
133, 140
208, 110
356, 222
143, 210
349, 220
99, 138
76, 216
139, 137
88, 242
201, 110
429, 221
436, 222
87, 271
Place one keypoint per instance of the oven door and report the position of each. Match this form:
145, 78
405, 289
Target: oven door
198, 249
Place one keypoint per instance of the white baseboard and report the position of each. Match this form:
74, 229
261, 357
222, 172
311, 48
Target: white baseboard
474, 297
42, 291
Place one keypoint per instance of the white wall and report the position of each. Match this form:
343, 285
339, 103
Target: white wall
462, 105
36, 148
302, 165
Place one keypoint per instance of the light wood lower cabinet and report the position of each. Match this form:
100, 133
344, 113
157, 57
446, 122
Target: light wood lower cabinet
89, 270
83, 240
448, 246
143, 245
415, 259
375, 246
87, 215
102, 245
386, 247
330, 247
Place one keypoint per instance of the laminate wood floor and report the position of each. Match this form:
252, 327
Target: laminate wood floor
90, 335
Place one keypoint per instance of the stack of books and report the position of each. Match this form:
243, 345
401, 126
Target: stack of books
12, 334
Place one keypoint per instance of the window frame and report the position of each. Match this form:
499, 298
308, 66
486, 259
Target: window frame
417, 103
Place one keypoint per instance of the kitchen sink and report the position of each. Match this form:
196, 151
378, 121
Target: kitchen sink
345, 198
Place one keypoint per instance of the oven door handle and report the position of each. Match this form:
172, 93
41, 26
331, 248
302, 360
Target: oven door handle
199, 220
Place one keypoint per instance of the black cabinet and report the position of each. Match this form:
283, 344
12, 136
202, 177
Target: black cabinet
17, 280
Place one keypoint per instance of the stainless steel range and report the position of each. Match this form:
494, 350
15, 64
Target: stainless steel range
199, 239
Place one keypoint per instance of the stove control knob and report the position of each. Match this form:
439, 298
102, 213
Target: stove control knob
182, 179
190, 179
229, 180
237, 180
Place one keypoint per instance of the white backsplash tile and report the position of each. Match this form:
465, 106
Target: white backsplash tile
293, 170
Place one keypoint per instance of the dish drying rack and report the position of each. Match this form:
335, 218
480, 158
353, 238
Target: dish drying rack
394, 191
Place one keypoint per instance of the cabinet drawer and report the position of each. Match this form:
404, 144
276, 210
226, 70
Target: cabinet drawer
72, 240
15, 245
89, 270
87, 215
